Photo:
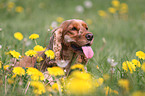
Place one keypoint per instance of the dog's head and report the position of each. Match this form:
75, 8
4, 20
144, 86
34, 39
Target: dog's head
75, 36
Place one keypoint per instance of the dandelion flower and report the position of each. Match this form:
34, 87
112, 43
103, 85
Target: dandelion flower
143, 67
115, 3
102, 13
108, 90
0, 64
11, 4
140, 54
31, 53
39, 59
19, 9
56, 71
6, 67
18, 35
112, 10
99, 82
10, 81
19, 71
14, 54
78, 66
39, 87
55, 86
136, 63
50, 53
124, 83
59, 19
128, 65
38, 48
123, 8
33, 36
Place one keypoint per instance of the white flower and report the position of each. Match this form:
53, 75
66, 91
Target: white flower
28, 43
88, 4
54, 24
111, 61
62, 63
79, 9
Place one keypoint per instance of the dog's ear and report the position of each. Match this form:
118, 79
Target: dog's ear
57, 41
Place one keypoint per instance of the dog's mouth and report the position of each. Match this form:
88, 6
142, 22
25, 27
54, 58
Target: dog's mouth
86, 49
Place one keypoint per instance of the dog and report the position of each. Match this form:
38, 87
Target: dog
70, 42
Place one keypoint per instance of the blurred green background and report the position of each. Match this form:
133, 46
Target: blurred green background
124, 34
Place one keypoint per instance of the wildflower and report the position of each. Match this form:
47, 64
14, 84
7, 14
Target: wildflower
123, 8
97, 66
59, 19
19, 71
31, 53
0, 64
115, 3
89, 21
102, 13
33, 36
143, 67
39, 87
39, 59
18, 35
108, 90
124, 83
111, 61
10, 81
35, 73
14, 54
50, 53
136, 62
112, 10
56, 71
0, 46
138, 93
53, 25
78, 66
55, 86
128, 65
11, 4
19, 9
38, 48
79, 83
6, 67
140, 54
88, 4
28, 43
99, 82
79, 9
62, 63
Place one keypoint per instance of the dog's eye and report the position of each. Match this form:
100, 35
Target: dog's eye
86, 28
74, 28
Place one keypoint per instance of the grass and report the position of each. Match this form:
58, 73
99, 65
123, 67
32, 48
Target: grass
124, 37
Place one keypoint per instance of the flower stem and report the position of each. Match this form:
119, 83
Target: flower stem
35, 41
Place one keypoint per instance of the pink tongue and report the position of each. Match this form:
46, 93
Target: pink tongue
88, 51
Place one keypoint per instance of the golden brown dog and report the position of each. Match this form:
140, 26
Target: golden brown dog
70, 42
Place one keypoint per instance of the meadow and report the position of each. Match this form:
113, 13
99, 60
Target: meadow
117, 67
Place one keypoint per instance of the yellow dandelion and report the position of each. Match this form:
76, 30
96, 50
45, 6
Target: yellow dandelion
35, 74
11, 4
108, 90
140, 55
124, 83
50, 54
99, 82
79, 85
78, 66
18, 35
56, 71
115, 3
112, 10
59, 19
143, 67
14, 54
0, 64
55, 86
136, 63
31, 53
39, 87
102, 13
39, 59
33, 36
6, 67
19, 71
10, 81
123, 8
128, 66
19, 9
38, 48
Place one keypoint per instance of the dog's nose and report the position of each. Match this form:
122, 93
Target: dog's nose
89, 36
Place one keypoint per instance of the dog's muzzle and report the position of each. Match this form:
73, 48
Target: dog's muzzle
89, 36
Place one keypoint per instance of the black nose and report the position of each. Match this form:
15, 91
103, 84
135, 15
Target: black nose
89, 36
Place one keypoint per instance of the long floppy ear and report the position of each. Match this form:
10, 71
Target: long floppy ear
57, 41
